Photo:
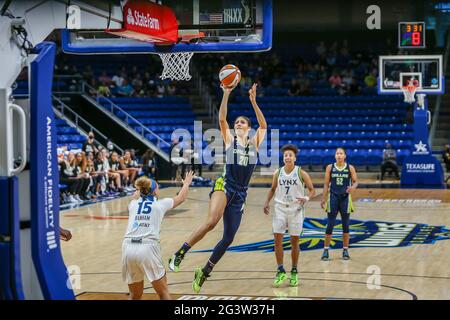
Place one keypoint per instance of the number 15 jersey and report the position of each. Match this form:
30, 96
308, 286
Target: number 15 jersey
145, 217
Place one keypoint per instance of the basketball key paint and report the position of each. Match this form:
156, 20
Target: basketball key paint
374, 234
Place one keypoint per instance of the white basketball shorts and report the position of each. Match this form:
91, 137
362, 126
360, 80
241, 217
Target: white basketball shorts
288, 218
139, 259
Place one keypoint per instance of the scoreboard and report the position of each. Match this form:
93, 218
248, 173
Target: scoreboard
411, 35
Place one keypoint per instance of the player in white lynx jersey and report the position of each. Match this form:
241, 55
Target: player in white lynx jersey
141, 253
288, 185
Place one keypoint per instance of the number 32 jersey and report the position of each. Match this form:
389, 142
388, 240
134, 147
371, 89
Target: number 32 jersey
340, 179
290, 186
145, 217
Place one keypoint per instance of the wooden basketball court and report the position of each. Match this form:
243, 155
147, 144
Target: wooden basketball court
399, 233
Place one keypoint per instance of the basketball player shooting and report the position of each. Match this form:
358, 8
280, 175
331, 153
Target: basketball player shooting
141, 252
230, 190
288, 186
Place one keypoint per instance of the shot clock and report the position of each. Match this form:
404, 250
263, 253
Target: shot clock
411, 35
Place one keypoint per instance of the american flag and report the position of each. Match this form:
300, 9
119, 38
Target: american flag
211, 18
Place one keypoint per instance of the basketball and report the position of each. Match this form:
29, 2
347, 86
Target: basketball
229, 75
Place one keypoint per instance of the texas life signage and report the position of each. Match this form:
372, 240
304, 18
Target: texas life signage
421, 168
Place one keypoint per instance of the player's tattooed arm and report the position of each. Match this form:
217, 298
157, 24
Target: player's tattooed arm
354, 178
261, 132
272, 190
326, 185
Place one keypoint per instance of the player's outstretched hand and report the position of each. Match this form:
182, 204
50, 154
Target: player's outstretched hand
65, 235
188, 178
266, 209
252, 92
228, 89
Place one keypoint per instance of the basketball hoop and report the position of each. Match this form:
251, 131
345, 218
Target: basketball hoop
176, 65
408, 92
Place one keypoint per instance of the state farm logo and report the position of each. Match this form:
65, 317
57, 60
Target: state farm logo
130, 18
140, 19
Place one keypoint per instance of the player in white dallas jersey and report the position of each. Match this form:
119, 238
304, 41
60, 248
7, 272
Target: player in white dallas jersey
288, 185
141, 252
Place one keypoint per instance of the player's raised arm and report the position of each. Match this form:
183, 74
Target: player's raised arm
354, 179
224, 128
272, 190
326, 186
182, 195
261, 131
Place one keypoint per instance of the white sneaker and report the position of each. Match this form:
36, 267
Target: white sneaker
78, 199
71, 199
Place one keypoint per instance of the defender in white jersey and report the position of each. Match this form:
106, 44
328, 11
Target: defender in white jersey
288, 185
141, 252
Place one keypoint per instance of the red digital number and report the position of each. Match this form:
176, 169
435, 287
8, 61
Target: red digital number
415, 38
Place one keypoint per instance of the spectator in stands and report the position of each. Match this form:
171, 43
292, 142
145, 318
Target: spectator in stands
97, 176
102, 172
335, 79
370, 79
137, 81
115, 167
104, 78
126, 163
171, 89
113, 179
89, 145
68, 177
110, 146
389, 161
294, 89
103, 89
118, 80
126, 90
80, 164
160, 90
446, 158
151, 88
149, 166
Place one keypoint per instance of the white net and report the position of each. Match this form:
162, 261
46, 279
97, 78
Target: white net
176, 65
408, 92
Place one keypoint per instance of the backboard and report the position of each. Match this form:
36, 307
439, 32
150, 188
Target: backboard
225, 25
423, 70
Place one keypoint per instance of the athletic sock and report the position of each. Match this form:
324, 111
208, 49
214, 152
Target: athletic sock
325, 248
207, 269
345, 248
294, 269
184, 248
281, 268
